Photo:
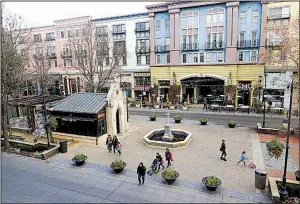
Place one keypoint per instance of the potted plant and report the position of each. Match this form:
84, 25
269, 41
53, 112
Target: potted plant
152, 117
211, 182
156, 105
177, 119
231, 124
79, 159
170, 175
203, 121
297, 174
275, 148
118, 165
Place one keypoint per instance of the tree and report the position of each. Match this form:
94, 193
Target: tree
12, 63
283, 50
98, 58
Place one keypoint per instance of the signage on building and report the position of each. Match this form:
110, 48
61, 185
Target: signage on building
142, 74
244, 85
101, 115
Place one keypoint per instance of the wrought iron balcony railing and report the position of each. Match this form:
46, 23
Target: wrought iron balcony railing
214, 45
162, 48
144, 49
247, 43
50, 38
190, 46
278, 16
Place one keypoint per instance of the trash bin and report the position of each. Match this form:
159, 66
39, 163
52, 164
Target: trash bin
260, 179
63, 146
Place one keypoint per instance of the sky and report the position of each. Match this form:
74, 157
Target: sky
44, 13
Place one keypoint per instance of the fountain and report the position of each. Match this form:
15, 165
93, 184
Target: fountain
167, 137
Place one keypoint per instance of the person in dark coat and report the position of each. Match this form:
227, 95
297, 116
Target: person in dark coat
160, 160
115, 143
168, 156
141, 171
223, 150
109, 143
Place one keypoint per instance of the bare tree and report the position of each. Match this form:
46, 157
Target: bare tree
13, 38
98, 58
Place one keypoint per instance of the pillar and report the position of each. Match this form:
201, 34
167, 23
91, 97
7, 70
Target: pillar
152, 38
174, 36
132, 94
232, 31
195, 94
181, 94
262, 42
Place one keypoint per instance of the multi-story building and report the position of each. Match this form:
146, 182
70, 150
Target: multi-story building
130, 31
204, 46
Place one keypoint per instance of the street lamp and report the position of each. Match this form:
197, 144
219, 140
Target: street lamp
259, 87
264, 99
286, 124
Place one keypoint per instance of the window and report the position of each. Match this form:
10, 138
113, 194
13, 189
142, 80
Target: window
147, 59
207, 57
283, 55
208, 20
83, 31
67, 62
241, 56
68, 33
253, 56
66, 49
141, 81
242, 39
107, 61
158, 59
37, 38
49, 36
215, 17
76, 32
138, 60
195, 57
167, 44
38, 51
22, 39
254, 38
124, 60
167, 24
243, 17
183, 58
190, 26
201, 56
55, 63
157, 25
119, 29
220, 56
254, 16
279, 12
168, 58
62, 34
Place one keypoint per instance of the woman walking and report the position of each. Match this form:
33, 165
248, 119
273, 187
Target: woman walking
243, 158
169, 157
141, 171
119, 147
115, 143
109, 142
223, 150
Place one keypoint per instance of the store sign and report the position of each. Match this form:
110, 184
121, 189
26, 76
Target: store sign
101, 115
244, 86
142, 74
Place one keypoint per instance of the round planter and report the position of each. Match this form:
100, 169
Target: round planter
117, 170
297, 175
79, 162
209, 187
170, 181
177, 121
152, 119
231, 126
203, 123
156, 106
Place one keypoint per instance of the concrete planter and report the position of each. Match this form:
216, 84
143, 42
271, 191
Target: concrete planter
156, 106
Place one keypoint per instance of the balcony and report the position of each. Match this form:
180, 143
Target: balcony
119, 32
278, 16
66, 54
274, 43
162, 48
214, 45
247, 43
190, 46
140, 50
50, 38
141, 30
37, 40
52, 55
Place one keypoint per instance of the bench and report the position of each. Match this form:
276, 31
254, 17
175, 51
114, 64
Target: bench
272, 131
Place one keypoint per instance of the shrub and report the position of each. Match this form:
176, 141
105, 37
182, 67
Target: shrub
153, 115
213, 181
203, 120
79, 157
118, 164
292, 189
177, 117
275, 148
170, 174
231, 122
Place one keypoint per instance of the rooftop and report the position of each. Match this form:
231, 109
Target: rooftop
144, 14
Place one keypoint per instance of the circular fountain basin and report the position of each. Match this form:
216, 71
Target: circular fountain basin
182, 138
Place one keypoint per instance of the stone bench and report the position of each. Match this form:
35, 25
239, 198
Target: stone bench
272, 181
272, 131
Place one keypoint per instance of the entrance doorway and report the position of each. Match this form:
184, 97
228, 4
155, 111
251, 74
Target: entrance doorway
118, 121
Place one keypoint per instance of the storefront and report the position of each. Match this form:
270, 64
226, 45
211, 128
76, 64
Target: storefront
142, 81
244, 93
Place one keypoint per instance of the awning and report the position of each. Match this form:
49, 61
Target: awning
141, 88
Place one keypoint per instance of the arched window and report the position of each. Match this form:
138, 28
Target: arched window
190, 26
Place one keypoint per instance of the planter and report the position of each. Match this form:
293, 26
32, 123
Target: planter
210, 187
156, 106
152, 119
297, 174
137, 105
119, 170
170, 180
231, 125
172, 107
79, 162
203, 123
184, 107
177, 121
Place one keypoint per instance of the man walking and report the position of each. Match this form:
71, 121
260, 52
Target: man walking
141, 171
223, 150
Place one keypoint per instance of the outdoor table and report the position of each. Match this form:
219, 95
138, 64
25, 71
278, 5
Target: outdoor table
277, 109
229, 107
243, 108
215, 107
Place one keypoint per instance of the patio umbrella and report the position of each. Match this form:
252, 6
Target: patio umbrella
188, 99
149, 98
167, 98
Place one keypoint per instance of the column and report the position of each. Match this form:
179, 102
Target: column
174, 36
132, 94
264, 17
152, 38
232, 31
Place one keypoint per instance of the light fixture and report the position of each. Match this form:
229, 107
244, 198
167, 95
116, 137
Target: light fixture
285, 123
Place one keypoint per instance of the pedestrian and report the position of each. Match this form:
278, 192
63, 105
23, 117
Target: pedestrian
115, 143
223, 150
119, 147
141, 171
109, 142
205, 103
160, 160
169, 157
243, 158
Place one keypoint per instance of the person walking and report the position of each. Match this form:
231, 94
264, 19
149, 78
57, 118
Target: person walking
109, 143
169, 157
223, 150
205, 103
141, 171
243, 158
119, 147
160, 160
115, 143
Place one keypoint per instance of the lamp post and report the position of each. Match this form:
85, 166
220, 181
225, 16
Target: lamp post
286, 124
259, 88
264, 100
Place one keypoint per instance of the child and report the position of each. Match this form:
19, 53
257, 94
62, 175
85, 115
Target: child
243, 158
109, 143
119, 146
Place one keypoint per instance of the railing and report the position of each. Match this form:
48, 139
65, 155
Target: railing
189, 46
162, 48
278, 16
37, 40
121, 32
52, 55
141, 30
273, 43
214, 45
247, 43
66, 53
144, 49
49, 38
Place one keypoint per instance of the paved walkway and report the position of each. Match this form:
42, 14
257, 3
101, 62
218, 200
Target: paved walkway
57, 180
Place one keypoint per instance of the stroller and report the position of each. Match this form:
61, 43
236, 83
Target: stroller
154, 167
